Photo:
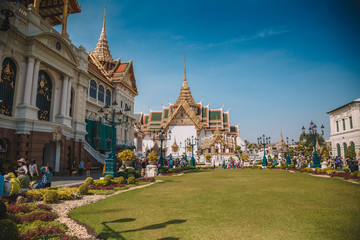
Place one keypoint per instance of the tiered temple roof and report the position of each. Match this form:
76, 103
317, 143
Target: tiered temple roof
103, 66
202, 116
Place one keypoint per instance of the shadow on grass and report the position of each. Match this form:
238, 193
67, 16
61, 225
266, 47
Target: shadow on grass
169, 238
108, 232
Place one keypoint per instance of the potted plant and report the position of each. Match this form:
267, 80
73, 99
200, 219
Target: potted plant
208, 158
152, 158
126, 157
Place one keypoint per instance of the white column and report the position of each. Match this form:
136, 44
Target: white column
68, 100
35, 82
57, 157
64, 95
28, 81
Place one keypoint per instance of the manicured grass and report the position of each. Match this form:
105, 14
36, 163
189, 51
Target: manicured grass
230, 204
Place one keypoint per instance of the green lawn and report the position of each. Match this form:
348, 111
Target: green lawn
230, 204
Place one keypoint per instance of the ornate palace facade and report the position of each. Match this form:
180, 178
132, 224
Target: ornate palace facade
51, 90
185, 119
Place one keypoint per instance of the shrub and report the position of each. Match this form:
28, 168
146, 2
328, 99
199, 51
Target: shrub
2, 210
8, 230
83, 189
329, 172
284, 165
259, 167
130, 175
43, 206
102, 182
15, 209
109, 176
36, 194
131, 180
89, 181
51, 196
66, 193
43, 231
121, 180
324, 170
163, 169
291, 165
304, 165
318, 170
42, 216
273, 166
122, 174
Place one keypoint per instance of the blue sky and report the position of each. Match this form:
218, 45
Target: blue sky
277, 64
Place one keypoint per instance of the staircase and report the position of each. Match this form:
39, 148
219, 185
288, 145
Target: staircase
95, 154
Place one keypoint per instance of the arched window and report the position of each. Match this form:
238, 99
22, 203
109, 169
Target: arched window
338, 149
43, 98
71, 103
108, 97
93, 89
7, 86
352, 144
101, 94
345, 148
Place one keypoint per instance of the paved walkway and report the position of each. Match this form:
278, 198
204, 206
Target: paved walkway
73, 180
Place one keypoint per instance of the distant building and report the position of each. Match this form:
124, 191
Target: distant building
345, 128
185, 119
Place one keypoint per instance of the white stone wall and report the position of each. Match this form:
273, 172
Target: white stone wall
349, 134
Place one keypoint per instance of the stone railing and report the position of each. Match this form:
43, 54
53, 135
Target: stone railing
95, 154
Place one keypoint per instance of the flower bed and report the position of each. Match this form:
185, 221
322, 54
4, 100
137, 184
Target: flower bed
32, 221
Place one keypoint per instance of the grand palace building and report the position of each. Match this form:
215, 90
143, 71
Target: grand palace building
187, 119
53, 94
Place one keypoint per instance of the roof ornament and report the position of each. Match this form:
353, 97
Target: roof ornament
185, 80
101, 51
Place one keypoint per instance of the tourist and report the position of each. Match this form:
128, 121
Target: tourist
24, 180
22, 165
34, 173
223, 165
2, 184
47, 177
12, 184
88, 168
81, 167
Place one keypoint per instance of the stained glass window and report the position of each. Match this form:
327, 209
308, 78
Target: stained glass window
338, 149
108, 97
7, 86
93, 89
43, 98
101, 94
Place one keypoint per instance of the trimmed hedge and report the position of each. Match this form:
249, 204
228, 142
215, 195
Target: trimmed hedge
8, 230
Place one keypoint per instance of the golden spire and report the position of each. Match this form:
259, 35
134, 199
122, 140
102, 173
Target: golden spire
101, 51
185, 93
185, 81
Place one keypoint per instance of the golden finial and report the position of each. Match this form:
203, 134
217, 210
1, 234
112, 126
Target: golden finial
185, 80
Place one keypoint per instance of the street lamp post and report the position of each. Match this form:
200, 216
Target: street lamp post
313, 133
192, 142
288, 152
110, 162
185, 158
263, 141
162, 137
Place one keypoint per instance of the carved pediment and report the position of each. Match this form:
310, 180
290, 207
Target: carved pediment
184, 115
58, 45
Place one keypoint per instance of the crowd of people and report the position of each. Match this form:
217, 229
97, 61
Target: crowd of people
25, 177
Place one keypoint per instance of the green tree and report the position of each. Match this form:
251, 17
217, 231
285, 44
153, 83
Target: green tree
350, 153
